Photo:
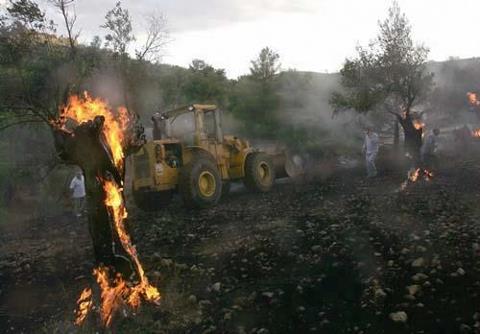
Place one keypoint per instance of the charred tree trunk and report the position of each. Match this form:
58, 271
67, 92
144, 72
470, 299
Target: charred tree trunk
413, 137
85, 148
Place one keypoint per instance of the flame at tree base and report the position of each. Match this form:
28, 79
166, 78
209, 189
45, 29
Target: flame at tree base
116, 291
131, 295
85, 304
415, 174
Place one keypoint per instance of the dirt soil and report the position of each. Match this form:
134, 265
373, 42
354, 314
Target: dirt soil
343, 255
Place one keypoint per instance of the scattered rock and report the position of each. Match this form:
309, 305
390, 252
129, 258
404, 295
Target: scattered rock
379, 293
421, 249
399, 316
419, 277
216, 287
420, 262
268, 294
204, 303
413, 289
166, 262
227, 316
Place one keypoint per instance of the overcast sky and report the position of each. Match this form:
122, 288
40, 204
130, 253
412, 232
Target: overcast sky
313, 35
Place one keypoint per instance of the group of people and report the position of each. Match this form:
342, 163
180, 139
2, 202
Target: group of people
371, 146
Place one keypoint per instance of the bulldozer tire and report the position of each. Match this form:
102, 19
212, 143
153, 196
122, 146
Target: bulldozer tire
152, 201
200, 183
259, 172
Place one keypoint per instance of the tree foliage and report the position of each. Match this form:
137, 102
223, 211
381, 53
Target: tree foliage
360, 81
205, 83
255, 99
404, 75
119, 25
266, 66
26, 87
391, 71
25, 14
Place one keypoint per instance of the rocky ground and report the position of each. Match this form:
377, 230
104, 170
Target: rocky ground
343, 255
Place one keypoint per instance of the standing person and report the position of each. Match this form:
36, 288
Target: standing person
428, 149
77, 186
370, 148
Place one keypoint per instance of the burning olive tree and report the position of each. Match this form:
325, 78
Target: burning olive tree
87, 133
390, 74
90, 134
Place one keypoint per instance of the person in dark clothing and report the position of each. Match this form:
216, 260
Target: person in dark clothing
428, 149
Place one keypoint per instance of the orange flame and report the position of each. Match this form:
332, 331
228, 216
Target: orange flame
418, 124
415, 174
428, 174
84, 303
85, 108
114, 202
476, 133
115, 292
473, 99
112, 294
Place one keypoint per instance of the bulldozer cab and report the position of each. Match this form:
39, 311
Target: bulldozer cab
177, 134
194, 124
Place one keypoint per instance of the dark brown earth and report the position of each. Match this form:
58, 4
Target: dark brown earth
343, 255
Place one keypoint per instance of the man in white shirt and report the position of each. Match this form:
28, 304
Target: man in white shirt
370, 148
77, 186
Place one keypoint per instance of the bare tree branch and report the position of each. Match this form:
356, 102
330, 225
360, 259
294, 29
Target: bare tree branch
157, 38
67, 9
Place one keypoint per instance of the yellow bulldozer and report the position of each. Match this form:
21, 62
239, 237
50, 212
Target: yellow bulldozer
199, 168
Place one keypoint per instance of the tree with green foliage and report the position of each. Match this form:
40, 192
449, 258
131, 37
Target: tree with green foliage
206, 84
119, 25
255, 96
173, 82
390, 74
27, 60
266, 66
